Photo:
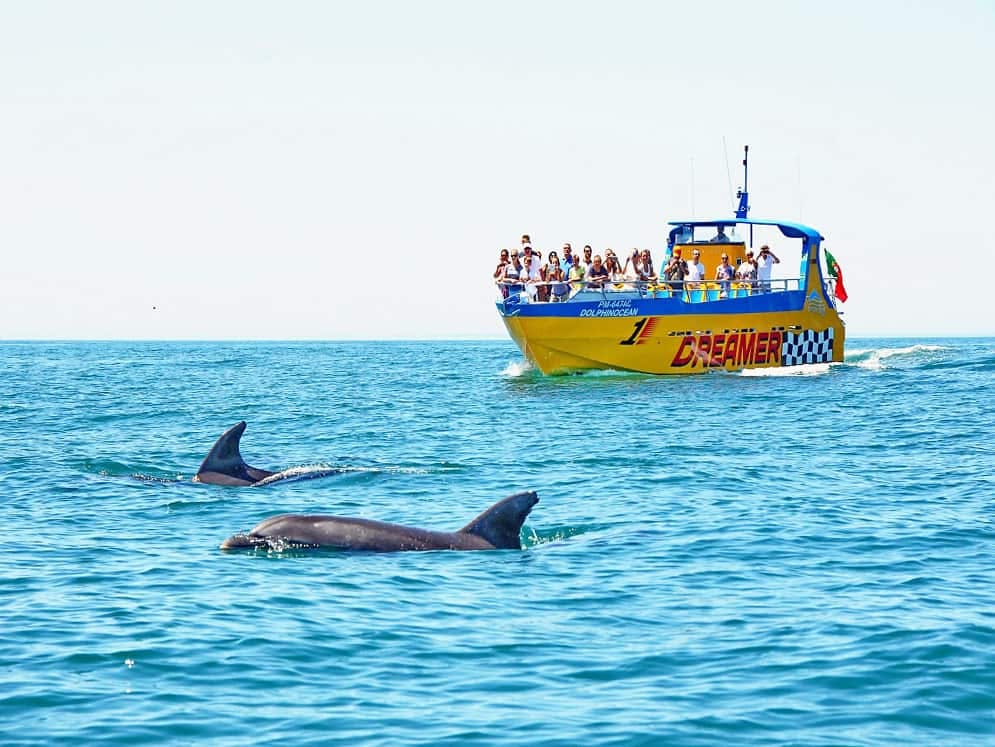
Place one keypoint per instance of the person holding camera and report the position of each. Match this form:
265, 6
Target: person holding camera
765, 264
558, 290
675, 272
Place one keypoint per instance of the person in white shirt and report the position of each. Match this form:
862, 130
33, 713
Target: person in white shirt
746, 273
765, 264
531, 275
585, 261
535, 263
696, 270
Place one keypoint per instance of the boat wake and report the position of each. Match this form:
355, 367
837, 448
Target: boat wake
806, 369
295, 474
874, 359
870, 359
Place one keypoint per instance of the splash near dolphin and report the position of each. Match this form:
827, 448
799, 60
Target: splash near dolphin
497, 528
224, 465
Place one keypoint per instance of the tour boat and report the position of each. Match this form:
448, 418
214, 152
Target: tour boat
662, 327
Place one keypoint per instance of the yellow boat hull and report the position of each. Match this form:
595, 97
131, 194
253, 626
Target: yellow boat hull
684, 344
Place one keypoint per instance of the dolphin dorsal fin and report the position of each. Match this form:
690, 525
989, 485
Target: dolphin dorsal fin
501, 524
225, 459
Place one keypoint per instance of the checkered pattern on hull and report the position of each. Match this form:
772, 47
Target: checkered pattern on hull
807, 347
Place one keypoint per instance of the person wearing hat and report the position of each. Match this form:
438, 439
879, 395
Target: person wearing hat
532, 263
527, 244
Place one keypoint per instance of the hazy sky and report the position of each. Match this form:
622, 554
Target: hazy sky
320, 170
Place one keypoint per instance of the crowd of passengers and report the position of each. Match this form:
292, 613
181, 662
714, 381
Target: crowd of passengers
563, 274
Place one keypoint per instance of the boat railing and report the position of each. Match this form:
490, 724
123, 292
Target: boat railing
690, 291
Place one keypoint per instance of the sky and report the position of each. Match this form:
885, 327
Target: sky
322, 170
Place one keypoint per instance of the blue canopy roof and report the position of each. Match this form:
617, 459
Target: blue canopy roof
791, 230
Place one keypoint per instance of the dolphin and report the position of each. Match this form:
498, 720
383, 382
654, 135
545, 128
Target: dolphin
224, 465
497, 528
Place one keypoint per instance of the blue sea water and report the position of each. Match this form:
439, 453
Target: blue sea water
749, 559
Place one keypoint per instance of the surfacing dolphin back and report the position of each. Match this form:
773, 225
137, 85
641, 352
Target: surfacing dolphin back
497, 528
224, 465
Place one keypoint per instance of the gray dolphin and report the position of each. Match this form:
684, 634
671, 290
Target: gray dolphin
224, 465
497, 528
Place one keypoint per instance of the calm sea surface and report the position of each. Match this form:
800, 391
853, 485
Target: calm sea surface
727, 559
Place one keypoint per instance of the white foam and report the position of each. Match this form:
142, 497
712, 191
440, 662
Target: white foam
888, 352
876, 356
516, 368
805, 369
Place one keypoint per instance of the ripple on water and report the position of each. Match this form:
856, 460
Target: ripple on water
742, 559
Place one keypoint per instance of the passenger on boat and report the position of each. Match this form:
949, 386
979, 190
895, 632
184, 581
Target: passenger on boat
747, 271
531, 277
558, 290
648, 265
724, 274
511, 278
720, 237
542, 292
610, 254
634, 270
568, 257
633, 256
528, 251
675, 272
499, 271
596, 273
586, 261
696, 270
633, 266
615, 273
765, 264
576, 275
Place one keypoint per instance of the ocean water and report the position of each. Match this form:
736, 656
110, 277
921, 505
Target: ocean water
762, 559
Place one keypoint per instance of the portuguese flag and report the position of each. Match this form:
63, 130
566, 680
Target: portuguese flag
837, 274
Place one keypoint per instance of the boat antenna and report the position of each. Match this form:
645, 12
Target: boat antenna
744, 194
